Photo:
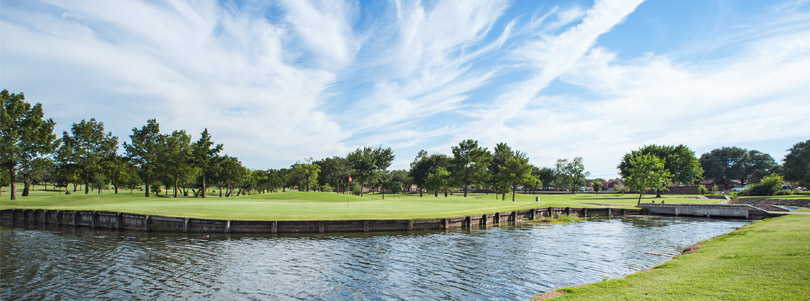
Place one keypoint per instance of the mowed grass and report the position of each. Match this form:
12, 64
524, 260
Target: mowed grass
766, 260
294, 205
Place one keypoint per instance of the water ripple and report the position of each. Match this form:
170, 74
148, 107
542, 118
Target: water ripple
500, 263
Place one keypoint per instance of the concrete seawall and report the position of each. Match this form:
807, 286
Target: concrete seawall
138, 222
707, 210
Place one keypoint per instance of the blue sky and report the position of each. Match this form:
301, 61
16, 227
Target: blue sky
282, 81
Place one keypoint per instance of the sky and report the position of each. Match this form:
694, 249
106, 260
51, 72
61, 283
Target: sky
280, 81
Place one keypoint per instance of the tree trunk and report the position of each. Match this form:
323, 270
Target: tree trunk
116, 189
175, 186
514, 187
465, 189
13, 182
361, 188
74, 187
220, 190
26, 184
420, 191
86, 181
202, 191
639, 199
99, 188
147, 183
503, 196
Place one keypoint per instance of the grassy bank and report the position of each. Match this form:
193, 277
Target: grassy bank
766, 260
293, 205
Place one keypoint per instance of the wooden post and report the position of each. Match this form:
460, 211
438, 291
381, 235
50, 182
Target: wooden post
119, 221
444, 223
468, 221
585, 212
533, 213
514, 217
146, 221
568, 211
609, 212
410, 225
274, 227
228, 226
185, 224
321, 227
497, 218
44, 217
93, 219
484, 220
74, 219
365, 226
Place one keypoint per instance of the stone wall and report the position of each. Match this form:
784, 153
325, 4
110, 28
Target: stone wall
138, 222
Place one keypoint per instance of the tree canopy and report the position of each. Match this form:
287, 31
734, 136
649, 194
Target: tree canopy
645, 172
469, 163
24, 134
368, 161
796, 166
571, 173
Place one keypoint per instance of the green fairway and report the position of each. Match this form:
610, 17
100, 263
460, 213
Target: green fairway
766, 260
293, 205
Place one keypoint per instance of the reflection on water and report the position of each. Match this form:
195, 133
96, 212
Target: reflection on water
513, 262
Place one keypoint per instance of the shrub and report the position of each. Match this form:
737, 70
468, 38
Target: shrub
702, 189
768, 186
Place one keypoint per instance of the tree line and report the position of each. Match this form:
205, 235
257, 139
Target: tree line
88, 156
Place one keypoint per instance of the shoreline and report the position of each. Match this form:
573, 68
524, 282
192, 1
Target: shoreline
766, 259
155, 223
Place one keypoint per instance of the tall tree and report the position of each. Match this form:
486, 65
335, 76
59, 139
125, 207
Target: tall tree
24, 134
334, 171
423, 165
518, 171
796, 166
499, 174
91, 147
645, 172
722, 164
368, 161
679, 160
755, 165
122, 173
144, 149
438, 180
306, 172
469, 163
547, 176
204, 155
572, 173
177, 160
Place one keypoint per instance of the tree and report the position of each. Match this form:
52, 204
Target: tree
306, 172
334, 170
572, 173
598, 184
438, 180
645, 172
144, 149
499, 175
368, 161
755, 165
122, 173
469, 163
722, 165
423, 165
679, 160
91, 147
177, 160
204, 155
24, 134
547, 177
397, 179
796, 167
518, 171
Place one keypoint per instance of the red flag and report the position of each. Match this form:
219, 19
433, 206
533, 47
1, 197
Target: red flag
350, 179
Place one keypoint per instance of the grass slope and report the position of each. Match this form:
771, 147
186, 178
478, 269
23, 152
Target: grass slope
294, 205
766, 260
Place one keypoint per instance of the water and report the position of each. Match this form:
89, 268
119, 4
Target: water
514, 262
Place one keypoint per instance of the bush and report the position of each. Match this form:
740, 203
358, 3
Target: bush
768, 186
702, 189
784, 192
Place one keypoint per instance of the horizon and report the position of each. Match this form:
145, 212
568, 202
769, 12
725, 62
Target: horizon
278, 83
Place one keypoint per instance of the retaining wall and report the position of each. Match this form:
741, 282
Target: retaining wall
707, 210
138, 222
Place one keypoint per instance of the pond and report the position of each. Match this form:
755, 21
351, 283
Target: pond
507, 262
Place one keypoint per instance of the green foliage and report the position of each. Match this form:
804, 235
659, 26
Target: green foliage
469, 163
145, 148
24, 134
796, 167
204, 155
702, 189
679, 161
306, 173
439, 180
423, 165
645, 172
334, 170
368, 161
572, 173
768, 186
547, 176
729, 163
598, 184
89, 148
499, 175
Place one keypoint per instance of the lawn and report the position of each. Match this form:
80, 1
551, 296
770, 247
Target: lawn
294, 205
766, 260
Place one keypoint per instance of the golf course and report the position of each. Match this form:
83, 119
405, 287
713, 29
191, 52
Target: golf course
295, 205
